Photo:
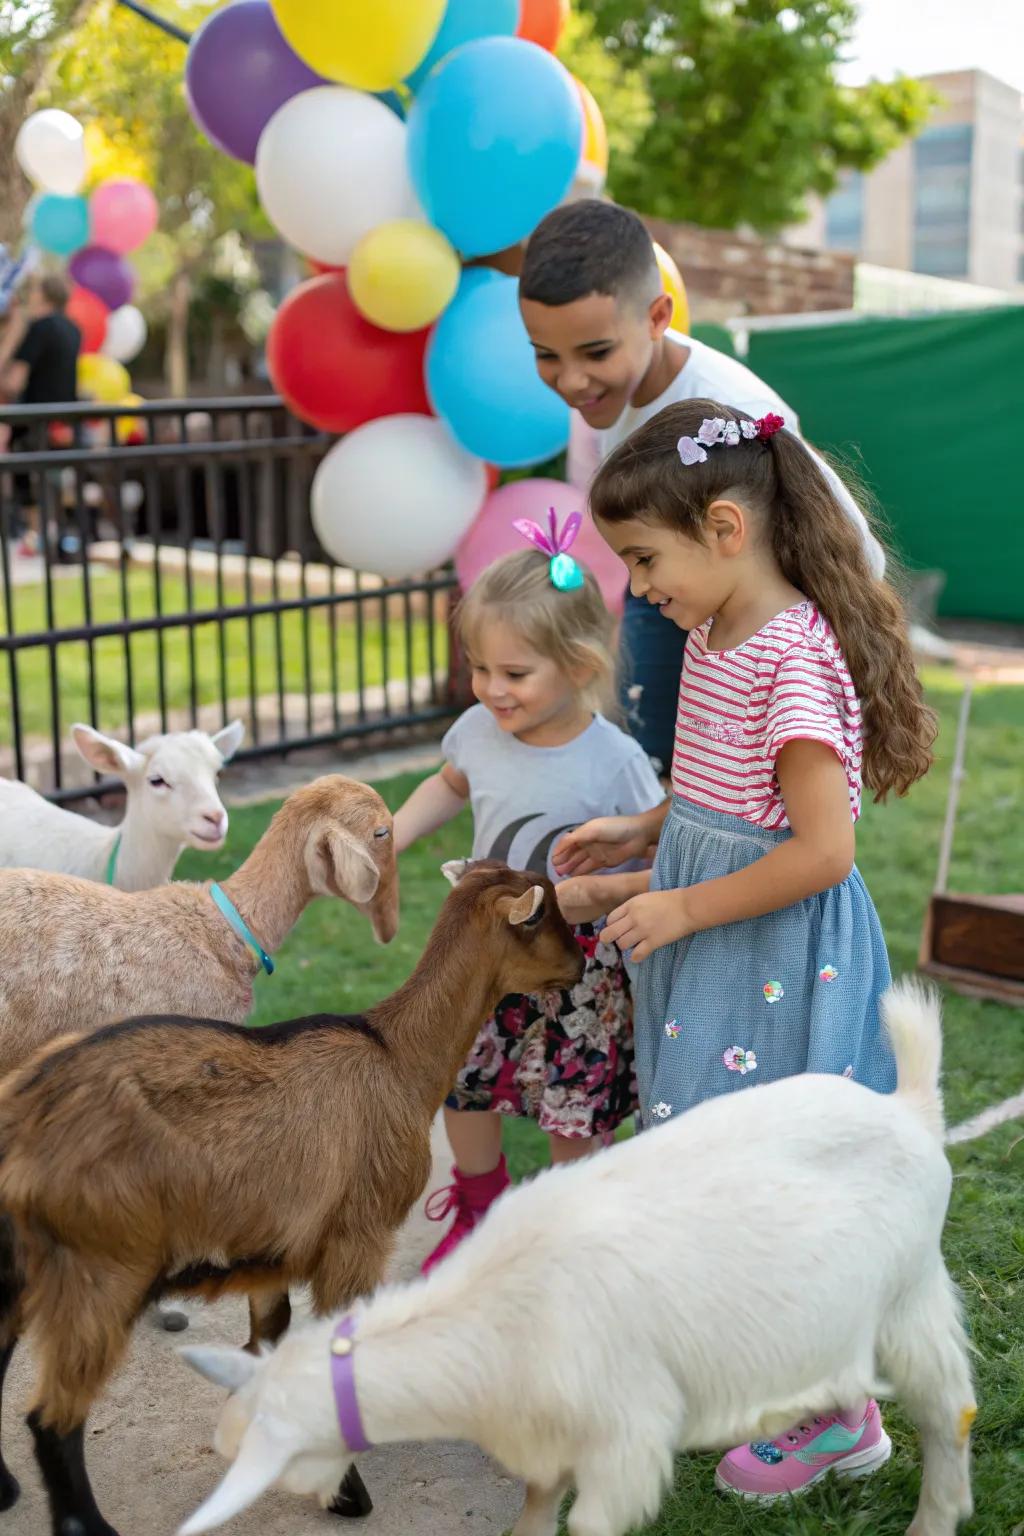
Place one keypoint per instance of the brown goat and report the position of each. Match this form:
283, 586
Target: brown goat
191, 1156
75, 954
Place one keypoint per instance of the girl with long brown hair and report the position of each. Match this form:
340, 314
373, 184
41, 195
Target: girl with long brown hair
758, 953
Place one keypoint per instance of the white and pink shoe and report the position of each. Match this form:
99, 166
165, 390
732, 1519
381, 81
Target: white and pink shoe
766, 1470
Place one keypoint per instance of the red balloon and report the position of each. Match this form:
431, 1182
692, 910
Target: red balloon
89, 313
541, 21
493, 474
336, 370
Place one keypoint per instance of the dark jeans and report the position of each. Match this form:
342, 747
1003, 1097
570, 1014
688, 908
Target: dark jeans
651, 660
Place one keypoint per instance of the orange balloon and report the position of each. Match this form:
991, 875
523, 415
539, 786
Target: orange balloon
541, 21
593, 166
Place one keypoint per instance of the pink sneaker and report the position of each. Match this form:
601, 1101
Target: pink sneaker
469, 1198
767, 1470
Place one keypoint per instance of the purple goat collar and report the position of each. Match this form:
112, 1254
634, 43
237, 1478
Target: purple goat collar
350, 1420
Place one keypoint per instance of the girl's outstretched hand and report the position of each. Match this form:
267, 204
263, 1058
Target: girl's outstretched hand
605, 843
580, 900
647, 922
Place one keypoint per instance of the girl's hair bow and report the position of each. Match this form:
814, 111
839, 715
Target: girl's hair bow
565, 574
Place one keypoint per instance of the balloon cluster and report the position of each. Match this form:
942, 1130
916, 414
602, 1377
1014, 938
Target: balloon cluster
95, 234
393, 143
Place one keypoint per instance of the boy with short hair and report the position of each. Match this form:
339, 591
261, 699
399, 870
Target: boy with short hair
592, 301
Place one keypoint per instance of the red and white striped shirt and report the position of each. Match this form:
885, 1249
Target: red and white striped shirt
739, 708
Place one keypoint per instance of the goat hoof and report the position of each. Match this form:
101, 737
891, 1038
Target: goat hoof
72, 1526
10, 1490
352, 1500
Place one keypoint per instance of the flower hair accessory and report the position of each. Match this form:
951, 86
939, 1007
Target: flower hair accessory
715, 429
565, 574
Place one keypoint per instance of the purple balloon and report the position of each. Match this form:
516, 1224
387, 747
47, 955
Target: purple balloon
239, 71
104, 273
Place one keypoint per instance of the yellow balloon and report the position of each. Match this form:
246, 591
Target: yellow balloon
403, 274
102, 379
128, 426
370, 44
672, 282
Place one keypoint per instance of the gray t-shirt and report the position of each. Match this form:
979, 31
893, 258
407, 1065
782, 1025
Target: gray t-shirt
523, 798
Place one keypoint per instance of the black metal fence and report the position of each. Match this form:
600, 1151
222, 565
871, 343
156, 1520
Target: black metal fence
159, 571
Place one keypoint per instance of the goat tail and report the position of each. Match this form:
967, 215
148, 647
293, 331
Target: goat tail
913, 1018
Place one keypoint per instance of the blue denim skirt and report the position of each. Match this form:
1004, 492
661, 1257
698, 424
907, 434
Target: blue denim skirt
794, 991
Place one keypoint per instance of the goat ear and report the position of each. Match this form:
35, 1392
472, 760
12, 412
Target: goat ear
230, 1368
266, 1450
454, 869
229, 739
523, 908
339, 865
104, 753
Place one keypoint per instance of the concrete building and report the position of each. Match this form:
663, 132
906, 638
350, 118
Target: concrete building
949, 203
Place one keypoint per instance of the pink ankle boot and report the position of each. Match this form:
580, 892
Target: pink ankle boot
469, 1198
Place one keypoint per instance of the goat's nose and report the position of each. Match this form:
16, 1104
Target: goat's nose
217, 819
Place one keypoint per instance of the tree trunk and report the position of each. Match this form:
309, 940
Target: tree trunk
176, 357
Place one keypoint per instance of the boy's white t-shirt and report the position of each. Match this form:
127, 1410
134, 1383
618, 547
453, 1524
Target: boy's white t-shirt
708, 374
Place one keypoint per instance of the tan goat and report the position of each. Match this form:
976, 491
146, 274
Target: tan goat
75, 954
192, 1156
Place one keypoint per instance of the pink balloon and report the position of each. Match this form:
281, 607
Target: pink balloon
492, 534
122, 214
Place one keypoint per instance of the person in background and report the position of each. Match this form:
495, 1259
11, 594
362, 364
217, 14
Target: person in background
592, 301
39, 350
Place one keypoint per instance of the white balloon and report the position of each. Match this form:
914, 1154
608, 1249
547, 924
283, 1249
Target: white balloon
330, 166
395, 497
132, 496
126, 334
50, 149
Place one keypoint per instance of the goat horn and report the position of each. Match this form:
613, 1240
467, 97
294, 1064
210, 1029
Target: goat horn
526, 905
454, 869
262, 1458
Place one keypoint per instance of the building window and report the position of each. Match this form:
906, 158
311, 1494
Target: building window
942, 200
844, 213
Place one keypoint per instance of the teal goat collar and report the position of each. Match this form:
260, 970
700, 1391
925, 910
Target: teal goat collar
112, 861
224, 904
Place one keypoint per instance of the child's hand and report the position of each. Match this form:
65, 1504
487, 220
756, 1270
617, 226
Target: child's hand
584, 899
603, 843
647, 922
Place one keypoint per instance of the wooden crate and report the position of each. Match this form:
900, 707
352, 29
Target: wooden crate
976, 944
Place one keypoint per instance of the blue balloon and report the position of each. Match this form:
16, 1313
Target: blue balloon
60, 225
494, 141
393, 100
482, 380
464, 22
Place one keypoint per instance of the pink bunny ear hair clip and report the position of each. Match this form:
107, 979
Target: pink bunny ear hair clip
565, 574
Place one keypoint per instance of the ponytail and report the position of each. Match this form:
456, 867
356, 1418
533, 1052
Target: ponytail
820, 550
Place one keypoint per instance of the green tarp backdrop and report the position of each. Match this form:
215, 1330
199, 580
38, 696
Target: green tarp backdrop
929, 413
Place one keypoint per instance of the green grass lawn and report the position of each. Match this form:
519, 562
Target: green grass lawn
329, 962
303, 642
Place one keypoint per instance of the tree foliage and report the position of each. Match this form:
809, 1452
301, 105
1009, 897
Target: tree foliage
744, 115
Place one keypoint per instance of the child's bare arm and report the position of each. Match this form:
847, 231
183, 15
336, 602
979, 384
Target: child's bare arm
817, 856
433, 803
585, 898
608, 841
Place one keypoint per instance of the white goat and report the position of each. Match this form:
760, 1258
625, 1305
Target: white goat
770, 1254
172, 804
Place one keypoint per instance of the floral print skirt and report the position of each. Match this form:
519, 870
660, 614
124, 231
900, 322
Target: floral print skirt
564, 1059
796, 990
